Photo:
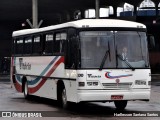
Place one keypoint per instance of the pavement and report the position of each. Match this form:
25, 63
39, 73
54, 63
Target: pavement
155, 76
4, 77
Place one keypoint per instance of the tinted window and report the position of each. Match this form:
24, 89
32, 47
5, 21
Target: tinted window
19, 46
60, 42
36, 45
131, 47
49, 43
94, 46
28, 45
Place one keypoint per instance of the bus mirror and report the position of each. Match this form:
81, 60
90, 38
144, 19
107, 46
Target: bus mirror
151, 41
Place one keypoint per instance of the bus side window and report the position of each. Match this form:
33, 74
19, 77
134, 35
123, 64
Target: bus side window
28, 45
19, 46
62, 43
60, 39
36, 45
49, 43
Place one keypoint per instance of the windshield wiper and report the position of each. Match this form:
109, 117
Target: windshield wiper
105, 57
125, 61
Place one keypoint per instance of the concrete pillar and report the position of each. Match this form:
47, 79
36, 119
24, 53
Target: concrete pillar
35, 13
135, 11
97, 8
114, 11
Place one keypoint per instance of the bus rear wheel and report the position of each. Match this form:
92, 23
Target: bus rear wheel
120, 104
25, 90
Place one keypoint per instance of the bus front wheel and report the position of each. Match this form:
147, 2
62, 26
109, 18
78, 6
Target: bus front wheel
120, 104
64, 99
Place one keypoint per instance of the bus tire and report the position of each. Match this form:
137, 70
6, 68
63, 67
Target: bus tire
64, 101
25, 90
120, 104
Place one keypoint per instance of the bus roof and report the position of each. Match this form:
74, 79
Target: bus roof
82, 24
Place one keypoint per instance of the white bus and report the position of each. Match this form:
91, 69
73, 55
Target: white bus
83, 61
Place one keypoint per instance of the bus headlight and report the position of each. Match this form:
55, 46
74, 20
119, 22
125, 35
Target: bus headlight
81, 84
140, 82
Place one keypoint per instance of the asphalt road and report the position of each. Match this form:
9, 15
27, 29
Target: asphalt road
11, 101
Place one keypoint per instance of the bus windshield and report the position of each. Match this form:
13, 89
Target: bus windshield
113, 49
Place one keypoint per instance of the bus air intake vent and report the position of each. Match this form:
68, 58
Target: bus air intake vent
117, 85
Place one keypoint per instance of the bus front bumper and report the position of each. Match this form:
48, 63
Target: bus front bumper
106, 95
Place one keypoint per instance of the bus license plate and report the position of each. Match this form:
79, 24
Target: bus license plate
116, 97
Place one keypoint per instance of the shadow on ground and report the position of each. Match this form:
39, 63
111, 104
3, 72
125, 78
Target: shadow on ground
74, 110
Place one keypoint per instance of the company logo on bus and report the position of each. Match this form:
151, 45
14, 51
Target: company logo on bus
93, 76
24, 65
109, 76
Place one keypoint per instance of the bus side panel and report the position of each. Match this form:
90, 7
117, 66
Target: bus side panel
47, 90
42, 74
47, 87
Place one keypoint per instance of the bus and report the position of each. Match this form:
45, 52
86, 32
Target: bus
83, 61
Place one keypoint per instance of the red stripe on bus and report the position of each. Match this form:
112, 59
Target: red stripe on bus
18, 87
35, 89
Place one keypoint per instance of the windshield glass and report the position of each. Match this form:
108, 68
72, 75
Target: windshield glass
131, 47
94, 45
113, 49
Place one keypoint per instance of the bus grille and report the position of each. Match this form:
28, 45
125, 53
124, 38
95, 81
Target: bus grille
117, 86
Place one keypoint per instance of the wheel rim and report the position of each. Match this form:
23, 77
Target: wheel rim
26, 89
64, 97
